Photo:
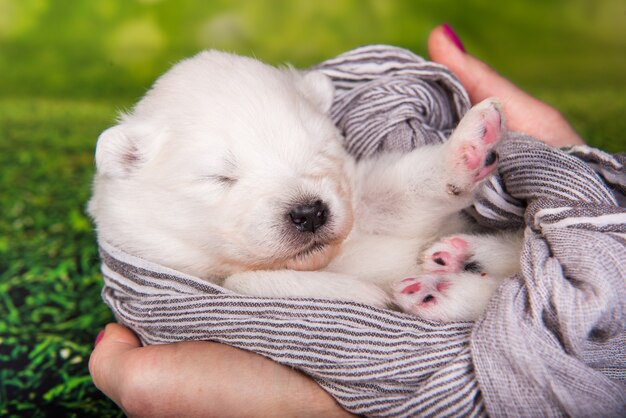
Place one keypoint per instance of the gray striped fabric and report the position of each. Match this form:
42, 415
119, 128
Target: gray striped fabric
555, 334
550, 344
388, 98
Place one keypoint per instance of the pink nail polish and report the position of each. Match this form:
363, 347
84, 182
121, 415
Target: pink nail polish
453, 36
99, 337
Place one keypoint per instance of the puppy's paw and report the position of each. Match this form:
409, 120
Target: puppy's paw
423, 296
444, 297
471, 148
451, 255
424, 289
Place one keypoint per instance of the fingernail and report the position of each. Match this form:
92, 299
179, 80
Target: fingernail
453, 36
99, 337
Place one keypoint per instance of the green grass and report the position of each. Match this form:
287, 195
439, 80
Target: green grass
598, 115
50, 307
66, 68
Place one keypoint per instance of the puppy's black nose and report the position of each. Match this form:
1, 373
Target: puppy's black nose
309, 217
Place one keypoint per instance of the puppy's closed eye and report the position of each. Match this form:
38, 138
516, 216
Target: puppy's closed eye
226, 178
222, 180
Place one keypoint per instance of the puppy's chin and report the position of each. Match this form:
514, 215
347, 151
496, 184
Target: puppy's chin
315, 258
319, 256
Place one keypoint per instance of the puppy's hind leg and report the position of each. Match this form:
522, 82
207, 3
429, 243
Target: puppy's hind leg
459, 275
495, 254
445, 297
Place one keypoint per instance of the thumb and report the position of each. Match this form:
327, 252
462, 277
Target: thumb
524, 113
480, 80
112, 348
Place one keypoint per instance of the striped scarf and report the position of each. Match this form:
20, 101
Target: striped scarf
552, 341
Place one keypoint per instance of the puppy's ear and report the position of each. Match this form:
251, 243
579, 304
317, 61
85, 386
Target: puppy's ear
120, 152
318, 88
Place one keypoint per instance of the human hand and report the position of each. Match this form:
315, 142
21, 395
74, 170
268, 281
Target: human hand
199, 379
524, 113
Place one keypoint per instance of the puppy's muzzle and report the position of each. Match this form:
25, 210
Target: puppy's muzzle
309, 217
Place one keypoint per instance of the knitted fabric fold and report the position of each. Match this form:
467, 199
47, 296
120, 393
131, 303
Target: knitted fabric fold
388, 98
551, 342
558, 327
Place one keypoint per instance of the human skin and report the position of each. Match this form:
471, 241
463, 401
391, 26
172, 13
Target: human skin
523, 112
201, 379
206, 379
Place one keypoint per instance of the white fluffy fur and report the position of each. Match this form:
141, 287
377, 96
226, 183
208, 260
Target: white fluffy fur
201, 176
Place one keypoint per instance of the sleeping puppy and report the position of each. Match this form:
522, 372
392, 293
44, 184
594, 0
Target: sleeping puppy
230, 170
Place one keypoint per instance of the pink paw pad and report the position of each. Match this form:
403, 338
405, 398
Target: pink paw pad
446, 256
412, 288
492, 132
422, 294
473, 157
482, 131
458, 243
493, 126
442, 286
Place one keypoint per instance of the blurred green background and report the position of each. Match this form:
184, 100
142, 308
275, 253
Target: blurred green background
67, 67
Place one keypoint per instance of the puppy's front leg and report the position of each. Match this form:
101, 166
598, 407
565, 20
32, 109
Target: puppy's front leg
470, 151
306, 284
415, 193
467, 158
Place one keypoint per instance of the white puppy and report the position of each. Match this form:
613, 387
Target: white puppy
230, 170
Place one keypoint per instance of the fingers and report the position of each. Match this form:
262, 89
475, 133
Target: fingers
200, 378
524, 113
107, 359
480, 80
